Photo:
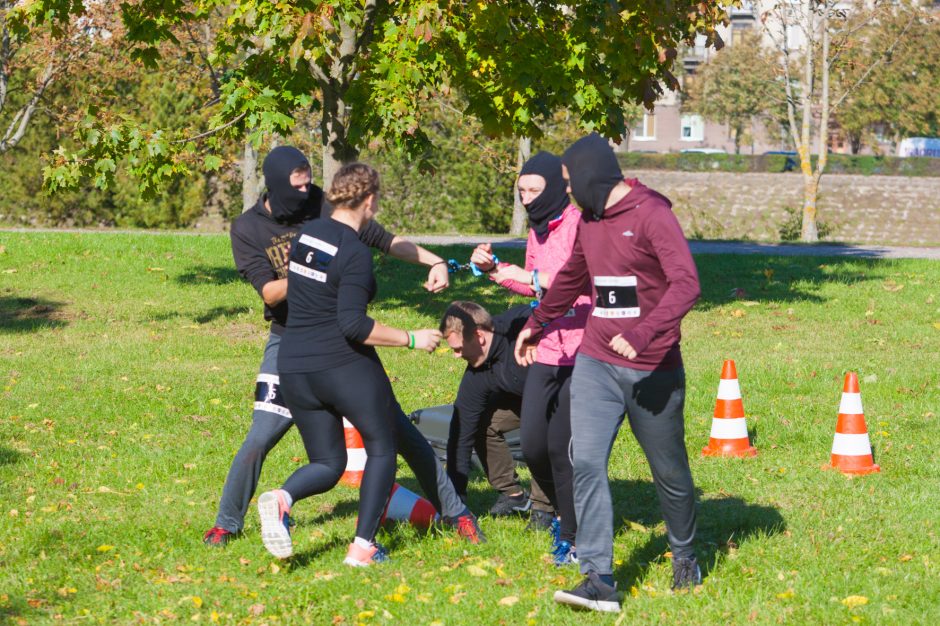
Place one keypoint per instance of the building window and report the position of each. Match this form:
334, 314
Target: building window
646, 129
693, 128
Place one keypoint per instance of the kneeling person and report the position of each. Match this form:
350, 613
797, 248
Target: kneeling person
488, 405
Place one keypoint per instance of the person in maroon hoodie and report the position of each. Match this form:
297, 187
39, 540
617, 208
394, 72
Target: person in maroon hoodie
631, 250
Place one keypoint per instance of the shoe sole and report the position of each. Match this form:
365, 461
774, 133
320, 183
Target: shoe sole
274, 536
605, 606
354, 563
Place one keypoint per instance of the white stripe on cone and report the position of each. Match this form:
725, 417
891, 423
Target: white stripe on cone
347, 423
851, 445
731, 428
851, 404
355, 459
729, 389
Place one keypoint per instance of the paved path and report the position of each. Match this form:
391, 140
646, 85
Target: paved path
698, 247
726, 247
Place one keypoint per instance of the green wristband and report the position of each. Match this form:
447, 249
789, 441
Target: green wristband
411, 340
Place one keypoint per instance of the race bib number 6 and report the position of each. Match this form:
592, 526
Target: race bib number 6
316, 256
616, 297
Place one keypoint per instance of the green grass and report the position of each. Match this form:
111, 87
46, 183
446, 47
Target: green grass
127, 365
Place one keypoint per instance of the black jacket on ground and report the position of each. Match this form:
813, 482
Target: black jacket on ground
482, 389
261, 247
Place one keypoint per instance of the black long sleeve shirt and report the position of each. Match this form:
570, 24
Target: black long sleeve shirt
329, 285
261, 245
482, 387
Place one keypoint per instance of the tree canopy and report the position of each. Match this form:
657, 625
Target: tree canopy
366, 66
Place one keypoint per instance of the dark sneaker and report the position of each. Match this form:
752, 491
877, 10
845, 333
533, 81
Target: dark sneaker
593, 594
511, 505
217, 537
564, 554
540, 520
685, 573
466, 526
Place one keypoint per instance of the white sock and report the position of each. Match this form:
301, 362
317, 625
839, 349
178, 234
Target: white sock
363, 543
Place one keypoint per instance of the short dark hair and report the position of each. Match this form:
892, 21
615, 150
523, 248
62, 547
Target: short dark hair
464, 317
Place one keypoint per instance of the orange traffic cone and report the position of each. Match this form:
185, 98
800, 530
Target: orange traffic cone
355, 456
729, 428
851, 449
407, 506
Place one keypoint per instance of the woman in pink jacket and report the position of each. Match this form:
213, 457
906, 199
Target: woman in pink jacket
546, 414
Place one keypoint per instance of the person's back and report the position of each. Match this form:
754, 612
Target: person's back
329, 281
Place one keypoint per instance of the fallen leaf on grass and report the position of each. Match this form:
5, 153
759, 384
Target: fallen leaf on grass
905, 557
786, 595
197, 602
508, 601
476, 570
105, 548
854, 601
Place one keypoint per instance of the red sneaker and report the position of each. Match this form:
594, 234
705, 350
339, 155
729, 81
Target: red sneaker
467, 527
217, 537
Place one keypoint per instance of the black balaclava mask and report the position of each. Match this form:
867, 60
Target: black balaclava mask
593, 171
288, 204
554, 198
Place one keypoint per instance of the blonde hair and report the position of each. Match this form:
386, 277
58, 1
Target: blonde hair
352, 184
465, 317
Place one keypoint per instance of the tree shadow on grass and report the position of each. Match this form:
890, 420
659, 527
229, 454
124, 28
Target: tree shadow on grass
722, 525
26, 315
8, 456
204, 275
725, 278
206, 317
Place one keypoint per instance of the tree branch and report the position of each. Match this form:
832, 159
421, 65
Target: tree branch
17, 128
877, 62
211, 131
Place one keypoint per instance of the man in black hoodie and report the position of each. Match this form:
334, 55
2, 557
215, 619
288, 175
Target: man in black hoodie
261, 239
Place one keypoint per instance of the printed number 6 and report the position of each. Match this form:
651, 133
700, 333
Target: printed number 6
310, 256
611, 297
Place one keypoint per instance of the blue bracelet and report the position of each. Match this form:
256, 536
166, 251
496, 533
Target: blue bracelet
478, 272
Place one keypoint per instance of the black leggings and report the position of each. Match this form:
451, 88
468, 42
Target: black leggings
546, 437
318, 401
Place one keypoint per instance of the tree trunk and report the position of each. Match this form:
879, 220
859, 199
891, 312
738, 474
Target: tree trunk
251, 183
519, 217
808, 232
336, 148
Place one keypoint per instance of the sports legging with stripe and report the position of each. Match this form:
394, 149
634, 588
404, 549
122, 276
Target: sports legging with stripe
546, 438
318, 401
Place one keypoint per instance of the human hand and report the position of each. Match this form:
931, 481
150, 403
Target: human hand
525, 351
482, 257
438, 278
622, 347
426, 339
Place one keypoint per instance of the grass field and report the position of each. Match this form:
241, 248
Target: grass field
127, 366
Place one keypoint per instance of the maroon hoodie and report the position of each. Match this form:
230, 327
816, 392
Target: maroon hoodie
643, 276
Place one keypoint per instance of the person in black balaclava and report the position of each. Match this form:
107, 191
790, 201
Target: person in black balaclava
261, 242
631, 251
283, 168
545, 414
593, 172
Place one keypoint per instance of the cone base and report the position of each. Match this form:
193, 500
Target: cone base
858, 471
728, 451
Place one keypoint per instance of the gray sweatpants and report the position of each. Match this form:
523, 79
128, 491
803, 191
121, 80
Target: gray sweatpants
653, 402
271, 419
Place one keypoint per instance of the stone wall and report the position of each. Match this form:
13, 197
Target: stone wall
859, 209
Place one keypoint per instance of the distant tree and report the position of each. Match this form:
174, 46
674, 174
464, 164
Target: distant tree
900, 96
813, 35
738, 87
365, 66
